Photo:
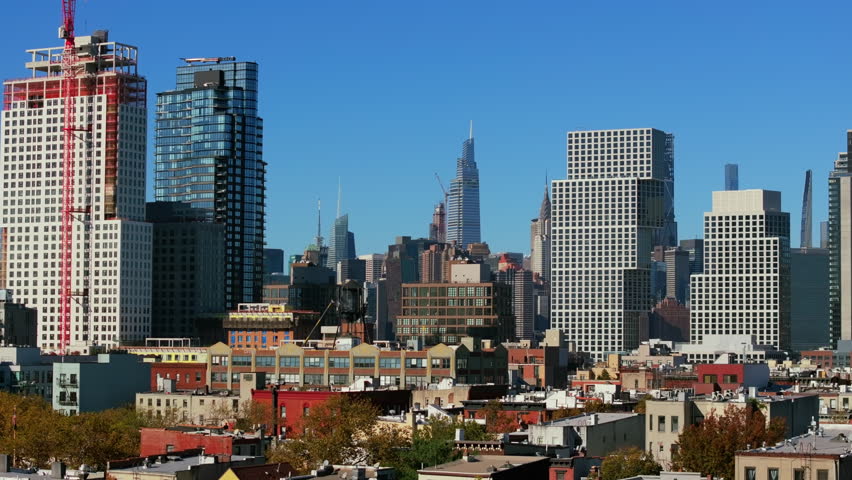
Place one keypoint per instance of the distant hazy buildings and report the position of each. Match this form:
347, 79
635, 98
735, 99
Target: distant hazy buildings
374, 264
463, 226
352, 269
840, 247
677, 274
809, 315
603, 232
540, 240
521, 282
732, 176
807, 213
342, 244
402, 265
209, 153
745, 287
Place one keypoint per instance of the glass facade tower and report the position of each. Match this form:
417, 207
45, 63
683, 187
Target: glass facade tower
209, 141
463, 199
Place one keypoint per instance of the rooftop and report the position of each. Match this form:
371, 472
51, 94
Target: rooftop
174, 464
585, 419
482, 465
829, 440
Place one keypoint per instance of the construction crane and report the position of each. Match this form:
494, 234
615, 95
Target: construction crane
70, 72
441, 184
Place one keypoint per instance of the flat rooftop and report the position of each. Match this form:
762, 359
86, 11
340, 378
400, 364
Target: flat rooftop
835, 440
174, 465
585, 420
482, 465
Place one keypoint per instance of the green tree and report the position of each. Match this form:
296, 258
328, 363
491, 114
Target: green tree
641, 406
597, 406
709, 446
629, 462
604, 375
496, 420
342, 429
433, 444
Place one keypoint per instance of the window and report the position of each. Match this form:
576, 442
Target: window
798, 474
710, 378
415, 363
335, 379
389, 362
314, 362
650, 423
675, 423
560, 475
291, 362
338, 362
772, 473
365, 362
288, 378
389, 380
283, 411
821, 475
313, 379
751, 473
661, 423
440, 363
264, 361
242, 360
220, 360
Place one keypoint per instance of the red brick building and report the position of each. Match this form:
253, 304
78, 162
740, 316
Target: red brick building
187, 376
730, 376
288, 407
158, 441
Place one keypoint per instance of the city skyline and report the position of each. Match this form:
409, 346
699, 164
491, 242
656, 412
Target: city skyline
520, 123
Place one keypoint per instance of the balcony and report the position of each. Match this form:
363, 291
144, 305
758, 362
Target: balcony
63, 382
68, 402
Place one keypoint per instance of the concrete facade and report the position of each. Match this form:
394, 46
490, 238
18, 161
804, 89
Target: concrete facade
110, 381
597, 433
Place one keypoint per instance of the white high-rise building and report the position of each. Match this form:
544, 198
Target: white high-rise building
540, 240
607, 216
375, 262
111, 245
745, 287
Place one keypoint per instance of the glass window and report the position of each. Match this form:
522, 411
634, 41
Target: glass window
661, 423
821, 475
292, 362
798, 474
242, 360
389, 362
314, 362
314, 379
264, 361
288, 378
440, 363
751, 473
772, 473
338, 362
675, 424
365, 362
389, 380
415, 363
337, 379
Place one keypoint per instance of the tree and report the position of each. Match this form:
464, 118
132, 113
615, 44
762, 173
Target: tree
342, 430
496, 420
432, 445
641, 406
564, 412
629, 462
251, 415
604, 375
597, 406
709, 447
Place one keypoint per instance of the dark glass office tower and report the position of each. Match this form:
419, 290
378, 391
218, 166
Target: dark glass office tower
209, 154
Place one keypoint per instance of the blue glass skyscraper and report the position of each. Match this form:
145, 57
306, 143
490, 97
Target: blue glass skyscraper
209, 154
463, 199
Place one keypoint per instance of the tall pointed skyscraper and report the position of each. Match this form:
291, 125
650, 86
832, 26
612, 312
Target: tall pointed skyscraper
807, 213
540, 240
342, 241
463, 199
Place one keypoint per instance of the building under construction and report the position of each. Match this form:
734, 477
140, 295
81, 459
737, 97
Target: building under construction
110, 279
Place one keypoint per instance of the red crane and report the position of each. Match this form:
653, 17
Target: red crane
69, 77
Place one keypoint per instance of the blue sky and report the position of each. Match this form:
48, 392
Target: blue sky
380, 93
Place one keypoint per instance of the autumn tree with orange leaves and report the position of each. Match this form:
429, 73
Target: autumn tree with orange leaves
709, 447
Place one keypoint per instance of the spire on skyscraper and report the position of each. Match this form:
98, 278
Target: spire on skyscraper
471, 131
318, 239
544, 211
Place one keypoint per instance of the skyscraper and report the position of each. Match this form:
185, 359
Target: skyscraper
209, 153
732, 176
809, 313
840, 247
807, 213
375, 261
112, 243
607, 216
463, 199
342, 242
521, 281
438, 227
273, 261
540, 240
695, 247
745, 287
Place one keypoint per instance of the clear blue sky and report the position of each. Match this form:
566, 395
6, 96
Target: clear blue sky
380, 93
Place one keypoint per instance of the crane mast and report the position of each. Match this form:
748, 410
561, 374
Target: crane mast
69, 76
